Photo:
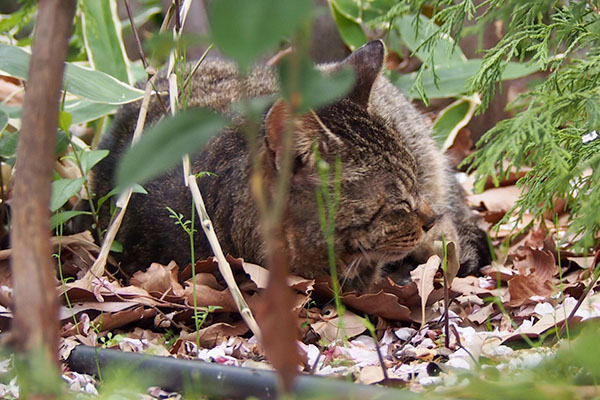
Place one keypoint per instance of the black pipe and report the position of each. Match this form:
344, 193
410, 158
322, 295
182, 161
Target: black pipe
220, 381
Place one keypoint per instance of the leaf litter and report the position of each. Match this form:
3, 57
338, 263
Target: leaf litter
528, 293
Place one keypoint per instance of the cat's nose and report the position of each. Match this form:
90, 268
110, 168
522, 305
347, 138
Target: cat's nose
428, 217
429, 222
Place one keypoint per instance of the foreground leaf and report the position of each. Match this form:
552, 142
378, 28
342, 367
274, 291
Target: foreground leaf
163, 145
93, 85
245, 30
3, 120
310, 88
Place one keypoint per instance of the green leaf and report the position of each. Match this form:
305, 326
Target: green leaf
90, 158
445, 53
62, 142
351, 31
103, 40
8, 144
116, 247
452, 118
93, 85
64, 120
163, 145
135, 188
61, 217
9, 140
245, 30
85, 110
3, 120
453, 79
19, 18
350, 9
63, 190
312, 88
361, 11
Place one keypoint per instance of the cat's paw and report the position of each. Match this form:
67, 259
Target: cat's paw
474, 251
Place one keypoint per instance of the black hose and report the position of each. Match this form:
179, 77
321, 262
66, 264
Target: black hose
220, 381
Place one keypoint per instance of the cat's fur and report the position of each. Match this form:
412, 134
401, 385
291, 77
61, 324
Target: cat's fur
397, 193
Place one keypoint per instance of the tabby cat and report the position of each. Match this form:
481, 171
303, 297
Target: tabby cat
397, 193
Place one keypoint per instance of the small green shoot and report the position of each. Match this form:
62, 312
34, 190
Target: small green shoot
328, 202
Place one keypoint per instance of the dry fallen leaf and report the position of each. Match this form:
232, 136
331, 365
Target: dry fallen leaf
423, 276
332, 330
522, 288
159, 280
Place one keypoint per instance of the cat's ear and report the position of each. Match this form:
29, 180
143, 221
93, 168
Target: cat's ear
367, 63
304, 129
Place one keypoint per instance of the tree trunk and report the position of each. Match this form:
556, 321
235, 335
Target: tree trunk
35, 325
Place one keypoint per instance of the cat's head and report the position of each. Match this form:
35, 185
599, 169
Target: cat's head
381, 215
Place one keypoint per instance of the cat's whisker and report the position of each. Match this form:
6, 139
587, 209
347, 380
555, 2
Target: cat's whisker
364, 252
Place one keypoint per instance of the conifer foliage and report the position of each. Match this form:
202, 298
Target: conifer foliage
554, 128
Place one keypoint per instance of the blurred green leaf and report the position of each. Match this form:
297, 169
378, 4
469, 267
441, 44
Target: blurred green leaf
63, 216
445, 53
3, 120
161, 44
8, 144
452, 118
62, 142
63, 190
19, 18
85, 110
311, 88
245, 30
9, 140
93, 85
103, 40
163, 145
453, 79
361, 11
351, 31
64, 120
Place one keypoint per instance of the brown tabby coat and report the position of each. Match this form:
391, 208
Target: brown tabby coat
397, 194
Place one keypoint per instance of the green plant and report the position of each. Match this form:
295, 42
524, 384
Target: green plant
188, 227
555, 128
328, 200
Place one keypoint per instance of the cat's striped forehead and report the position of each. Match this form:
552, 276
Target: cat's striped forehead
362, 139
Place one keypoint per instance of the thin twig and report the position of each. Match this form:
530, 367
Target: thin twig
188, 79
136, 35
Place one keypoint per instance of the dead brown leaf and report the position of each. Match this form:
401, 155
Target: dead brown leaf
214, 334
521, 288
423, 276
539, 262
159, 280
499, 199
333, 328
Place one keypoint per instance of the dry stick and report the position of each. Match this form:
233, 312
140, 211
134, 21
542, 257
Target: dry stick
136, 35
98, 267
224, 266
190, 181
35, 325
